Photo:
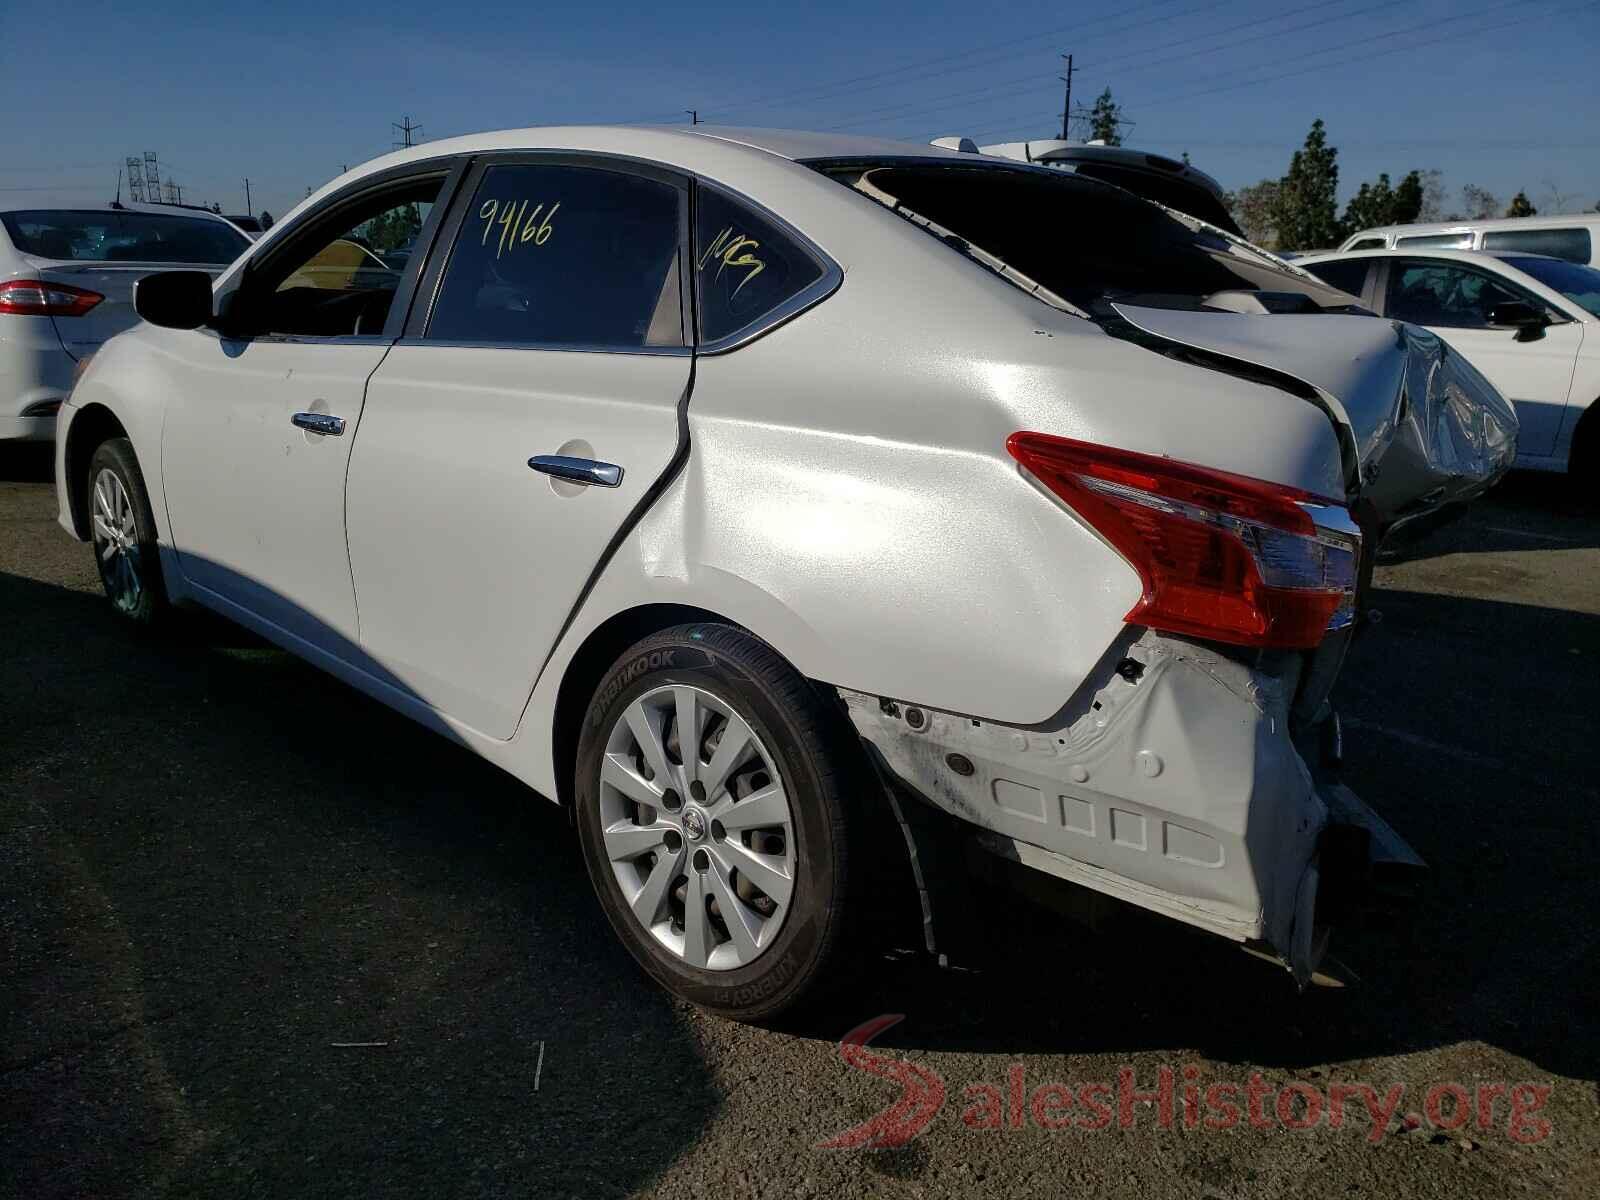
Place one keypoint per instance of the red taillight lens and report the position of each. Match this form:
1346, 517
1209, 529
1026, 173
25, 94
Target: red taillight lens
31, 298
1222, 556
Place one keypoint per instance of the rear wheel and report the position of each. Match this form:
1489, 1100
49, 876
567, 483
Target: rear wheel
717, 809
124, 534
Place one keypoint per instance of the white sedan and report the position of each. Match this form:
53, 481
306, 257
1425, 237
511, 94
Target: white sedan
1528, 322
793, 507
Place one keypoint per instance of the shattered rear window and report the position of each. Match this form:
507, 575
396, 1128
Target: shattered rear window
1078, 243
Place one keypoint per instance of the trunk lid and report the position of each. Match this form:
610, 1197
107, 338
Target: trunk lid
82, 336
1420, 426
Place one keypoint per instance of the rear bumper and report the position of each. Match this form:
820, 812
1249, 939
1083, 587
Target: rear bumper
35, 376
28, 429
1170, 782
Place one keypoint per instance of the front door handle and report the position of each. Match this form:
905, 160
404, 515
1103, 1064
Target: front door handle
577, 470
323, 423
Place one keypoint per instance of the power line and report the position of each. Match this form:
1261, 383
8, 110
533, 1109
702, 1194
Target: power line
1174, 97
1345, 16
1528, 18
835, 87
994, 90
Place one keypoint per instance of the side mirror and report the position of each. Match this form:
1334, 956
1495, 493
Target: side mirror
174, 299
1528, 321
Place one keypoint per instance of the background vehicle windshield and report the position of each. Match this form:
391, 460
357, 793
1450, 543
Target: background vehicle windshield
1085, 241
123, 237
1577, 283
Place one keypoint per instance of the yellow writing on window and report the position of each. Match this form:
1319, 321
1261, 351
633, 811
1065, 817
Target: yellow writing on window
517, 225
732, 249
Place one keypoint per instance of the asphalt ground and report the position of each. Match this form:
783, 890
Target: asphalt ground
261, 936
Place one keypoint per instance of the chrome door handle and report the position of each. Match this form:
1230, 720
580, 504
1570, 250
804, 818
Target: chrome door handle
323, 423
577, 470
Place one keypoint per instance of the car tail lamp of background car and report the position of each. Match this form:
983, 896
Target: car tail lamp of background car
31, 298
1223, 557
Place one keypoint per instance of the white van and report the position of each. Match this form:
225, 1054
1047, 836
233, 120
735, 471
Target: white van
1575, 238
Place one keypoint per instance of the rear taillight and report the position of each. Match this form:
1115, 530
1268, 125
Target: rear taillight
31, 298
1222, 556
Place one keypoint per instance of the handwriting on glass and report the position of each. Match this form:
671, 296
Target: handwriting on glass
516, 224
732, 249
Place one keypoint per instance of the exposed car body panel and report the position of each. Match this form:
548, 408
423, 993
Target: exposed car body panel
1439, 429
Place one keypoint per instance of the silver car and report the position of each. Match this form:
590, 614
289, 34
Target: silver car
66, 285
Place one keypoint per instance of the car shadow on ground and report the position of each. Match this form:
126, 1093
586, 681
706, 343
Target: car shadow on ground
1527, 510
27, 462
224, 874
219, 863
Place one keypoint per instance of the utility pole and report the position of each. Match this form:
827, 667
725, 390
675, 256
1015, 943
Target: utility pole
1066, 107
249, 210
694, 115
409, 133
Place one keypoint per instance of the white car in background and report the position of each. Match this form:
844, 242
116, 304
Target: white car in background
1528, 322
66, 285
1575, 238
777, 502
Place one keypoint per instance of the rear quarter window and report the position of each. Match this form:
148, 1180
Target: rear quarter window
746, 268
1571, 244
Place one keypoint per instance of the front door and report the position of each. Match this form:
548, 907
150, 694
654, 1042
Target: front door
1453, 299
260, 424
506, 439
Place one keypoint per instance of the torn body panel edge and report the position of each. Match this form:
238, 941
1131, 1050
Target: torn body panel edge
1170, 781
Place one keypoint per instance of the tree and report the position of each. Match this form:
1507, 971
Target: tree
1252, 209
1380, 203
1433, 195
1104, 119
1306, 214
1478, 203
1408, 199
1521, 206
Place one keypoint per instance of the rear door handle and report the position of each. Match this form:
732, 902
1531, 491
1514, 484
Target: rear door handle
323, 423
577, 470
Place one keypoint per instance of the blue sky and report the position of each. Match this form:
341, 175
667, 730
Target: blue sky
1499, 93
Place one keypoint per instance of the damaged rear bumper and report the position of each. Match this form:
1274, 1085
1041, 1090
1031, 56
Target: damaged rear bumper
1172, 782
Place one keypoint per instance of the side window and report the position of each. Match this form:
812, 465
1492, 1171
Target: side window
1445, 295
342, 280
1366, 244
744, 266
1439, 241
1570, 244
1347, 276
552, 255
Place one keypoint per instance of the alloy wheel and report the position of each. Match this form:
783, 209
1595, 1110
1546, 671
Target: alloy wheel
116, 541
697, 827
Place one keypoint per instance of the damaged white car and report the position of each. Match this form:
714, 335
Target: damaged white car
795, 508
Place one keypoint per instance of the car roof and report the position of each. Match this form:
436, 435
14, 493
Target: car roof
1476, 256
1465, 225
669, 141
170, 210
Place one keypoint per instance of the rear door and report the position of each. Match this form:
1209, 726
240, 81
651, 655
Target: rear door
1453, 299
523, 418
